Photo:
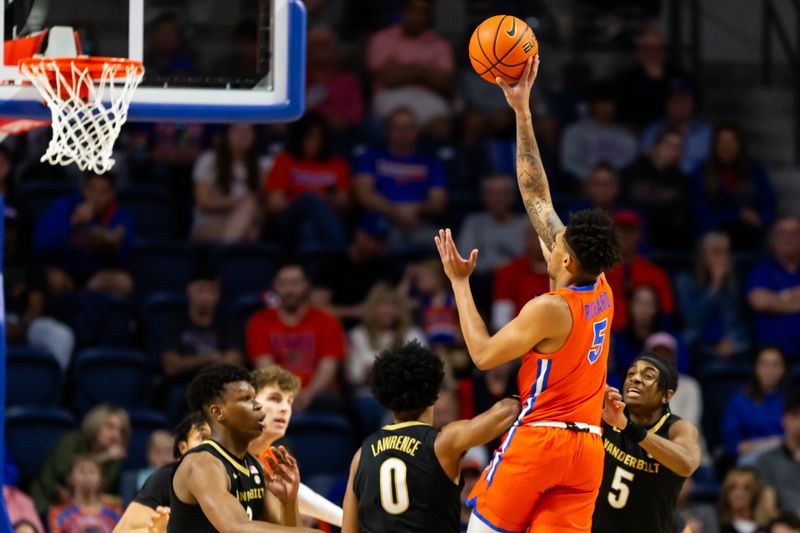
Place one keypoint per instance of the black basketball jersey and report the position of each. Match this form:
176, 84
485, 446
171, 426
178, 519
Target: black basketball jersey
246, 483
638, 493
400, 485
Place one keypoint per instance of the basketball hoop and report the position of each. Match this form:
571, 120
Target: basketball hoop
87, 105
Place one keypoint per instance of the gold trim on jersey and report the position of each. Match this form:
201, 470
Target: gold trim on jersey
660, 423
400, 425
236, 464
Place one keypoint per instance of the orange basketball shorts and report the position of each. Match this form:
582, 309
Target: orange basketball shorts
543, 478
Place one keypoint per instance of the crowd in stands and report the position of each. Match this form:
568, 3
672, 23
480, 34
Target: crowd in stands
310, 245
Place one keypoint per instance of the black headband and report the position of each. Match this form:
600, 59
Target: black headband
667, 376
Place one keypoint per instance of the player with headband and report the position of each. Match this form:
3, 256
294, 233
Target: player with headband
649, 452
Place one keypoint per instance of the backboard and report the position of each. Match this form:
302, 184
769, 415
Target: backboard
205, 60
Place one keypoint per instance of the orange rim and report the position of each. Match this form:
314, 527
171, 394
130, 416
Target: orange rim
92, 64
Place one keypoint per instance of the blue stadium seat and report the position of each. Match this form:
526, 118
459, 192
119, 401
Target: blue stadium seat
143, 423
98, 319
315, 256
111, 375
794, 377
159, 310
35, 197
241, 310
306, 434
33, 378
719, 382
152, 211
31, 433
161, 267
245, 267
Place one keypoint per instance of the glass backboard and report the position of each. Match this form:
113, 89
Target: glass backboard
205, 60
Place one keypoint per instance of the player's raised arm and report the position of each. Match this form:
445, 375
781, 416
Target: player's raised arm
545, 317
680, 452
531, 176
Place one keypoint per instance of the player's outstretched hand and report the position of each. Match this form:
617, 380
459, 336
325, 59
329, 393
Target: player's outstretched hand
613, 408
285, 479
455, 266
518, 96
158, 520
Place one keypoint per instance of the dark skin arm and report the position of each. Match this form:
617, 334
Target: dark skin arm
457, 437
350, 519
680, 452
531, 176
201, 479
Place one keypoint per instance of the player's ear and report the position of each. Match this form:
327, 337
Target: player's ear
215, 410
668, 396
570, 264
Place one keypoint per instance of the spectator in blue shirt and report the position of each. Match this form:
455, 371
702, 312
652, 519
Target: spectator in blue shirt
710, 301
731, 192
401, 183
84, 238
680, 116
752, 420
774, 290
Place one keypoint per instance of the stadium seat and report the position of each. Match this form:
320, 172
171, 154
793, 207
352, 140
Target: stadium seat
794, 377
33, 378
307, 431
719, 382
314, 257
143, 423
111, 375
98, 319
161, 267
242, 309
244, 268
159, 310
35, 197
31, 433
152, 211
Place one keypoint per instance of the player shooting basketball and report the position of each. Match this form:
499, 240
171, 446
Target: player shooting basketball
554, 450
649, 452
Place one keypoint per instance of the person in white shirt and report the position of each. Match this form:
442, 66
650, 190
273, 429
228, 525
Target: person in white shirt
498, 232
597, 138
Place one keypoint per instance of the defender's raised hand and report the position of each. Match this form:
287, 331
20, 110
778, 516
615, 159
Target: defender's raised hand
518, 95
455, 266
613, 408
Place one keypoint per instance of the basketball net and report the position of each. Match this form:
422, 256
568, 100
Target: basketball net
88, 107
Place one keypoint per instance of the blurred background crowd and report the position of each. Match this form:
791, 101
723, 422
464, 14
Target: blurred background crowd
310, 245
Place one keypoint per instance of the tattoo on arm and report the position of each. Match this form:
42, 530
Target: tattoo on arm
533, 186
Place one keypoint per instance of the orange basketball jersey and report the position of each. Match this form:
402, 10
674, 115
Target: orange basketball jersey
569, 385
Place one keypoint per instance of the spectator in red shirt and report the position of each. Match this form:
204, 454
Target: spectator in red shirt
308, 186
519, 281
299, 337
635, 271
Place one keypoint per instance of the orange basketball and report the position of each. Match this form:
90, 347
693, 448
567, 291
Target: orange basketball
500, 46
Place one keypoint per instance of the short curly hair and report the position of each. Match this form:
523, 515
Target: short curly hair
406, 379
593, 241
209, 383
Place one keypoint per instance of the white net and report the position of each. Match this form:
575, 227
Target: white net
88, 113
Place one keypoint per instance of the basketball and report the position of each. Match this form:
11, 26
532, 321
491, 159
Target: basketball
500, 46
